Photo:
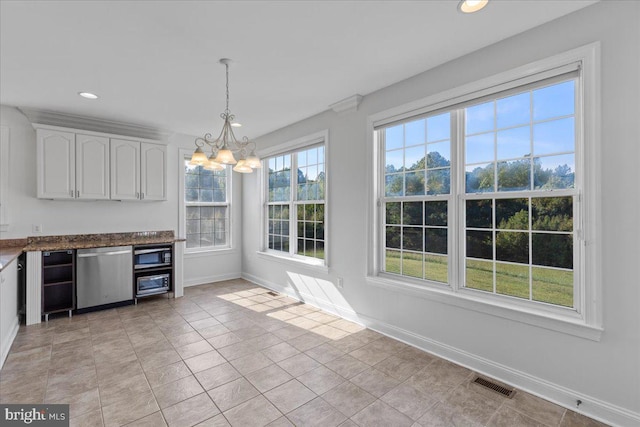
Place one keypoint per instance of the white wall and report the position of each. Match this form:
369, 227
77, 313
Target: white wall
87, 217
605, 375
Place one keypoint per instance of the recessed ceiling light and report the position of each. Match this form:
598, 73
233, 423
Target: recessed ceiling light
470, 6
88, 95
236, 125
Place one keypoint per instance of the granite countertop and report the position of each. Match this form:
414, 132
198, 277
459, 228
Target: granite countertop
11, 249
83, 241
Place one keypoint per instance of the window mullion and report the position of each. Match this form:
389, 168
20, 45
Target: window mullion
456, 213
293, 205
381, 203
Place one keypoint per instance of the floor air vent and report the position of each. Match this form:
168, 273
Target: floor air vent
273, 294
506, 392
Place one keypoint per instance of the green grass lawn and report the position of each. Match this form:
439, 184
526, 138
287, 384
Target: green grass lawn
548, 285
435, 266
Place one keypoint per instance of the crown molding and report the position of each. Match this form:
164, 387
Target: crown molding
347, 105
94, 124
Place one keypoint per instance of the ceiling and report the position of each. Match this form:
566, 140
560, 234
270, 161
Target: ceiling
155, 63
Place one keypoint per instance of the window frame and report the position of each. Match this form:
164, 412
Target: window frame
183, 204
289, 148
586, 320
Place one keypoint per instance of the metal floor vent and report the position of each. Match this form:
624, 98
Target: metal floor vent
273, 294
507, 392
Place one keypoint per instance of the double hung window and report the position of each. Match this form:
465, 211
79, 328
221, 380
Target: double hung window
296, 203
483, 195
206, 204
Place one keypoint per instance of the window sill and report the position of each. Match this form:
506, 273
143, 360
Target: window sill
539, 318
286, 259
202, 252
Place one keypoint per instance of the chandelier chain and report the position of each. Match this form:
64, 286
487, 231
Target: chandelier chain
226, 66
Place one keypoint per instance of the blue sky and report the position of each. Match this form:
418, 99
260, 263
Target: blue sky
515, 126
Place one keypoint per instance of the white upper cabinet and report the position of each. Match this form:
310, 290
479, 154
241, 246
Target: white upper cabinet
56, 154
138, 170
72, 166
92, 167
153, 182
125, 169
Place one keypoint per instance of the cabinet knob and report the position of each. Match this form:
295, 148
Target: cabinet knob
71, 192
141, 196
137, 195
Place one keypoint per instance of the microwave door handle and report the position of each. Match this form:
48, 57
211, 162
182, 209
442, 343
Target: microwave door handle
148, 251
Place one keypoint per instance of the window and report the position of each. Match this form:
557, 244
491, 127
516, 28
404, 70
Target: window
206, 204
417, 159
487, 192
520, 194
296, 203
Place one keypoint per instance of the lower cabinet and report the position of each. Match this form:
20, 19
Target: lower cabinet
58, 282
9, 320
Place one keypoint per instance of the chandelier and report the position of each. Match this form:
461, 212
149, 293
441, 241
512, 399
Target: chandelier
225, 145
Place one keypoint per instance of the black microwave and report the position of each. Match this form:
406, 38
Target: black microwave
152, 257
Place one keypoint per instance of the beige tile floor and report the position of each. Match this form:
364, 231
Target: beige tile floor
231, 354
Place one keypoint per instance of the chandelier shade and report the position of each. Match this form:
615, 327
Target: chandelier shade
225, 156
223, 148
242, 167
253, 161
198, 158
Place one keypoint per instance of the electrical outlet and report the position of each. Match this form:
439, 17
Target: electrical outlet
36, 228
340, 283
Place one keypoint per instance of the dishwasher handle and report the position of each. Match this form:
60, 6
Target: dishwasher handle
95, 254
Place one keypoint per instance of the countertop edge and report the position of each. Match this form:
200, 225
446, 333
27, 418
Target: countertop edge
8, 255
10, 249
95, 244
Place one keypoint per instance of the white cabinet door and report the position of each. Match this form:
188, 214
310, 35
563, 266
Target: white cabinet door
92, 167
125, 169
9, 320
56, 160
153, 184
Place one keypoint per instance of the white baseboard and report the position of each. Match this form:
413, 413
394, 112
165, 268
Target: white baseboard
194, 281
590, 406
8, 340
328, 306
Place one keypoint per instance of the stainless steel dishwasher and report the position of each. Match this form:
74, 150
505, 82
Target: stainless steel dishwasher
104, 276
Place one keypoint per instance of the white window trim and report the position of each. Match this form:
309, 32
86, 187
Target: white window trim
588, 323
288, 147
182, 213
